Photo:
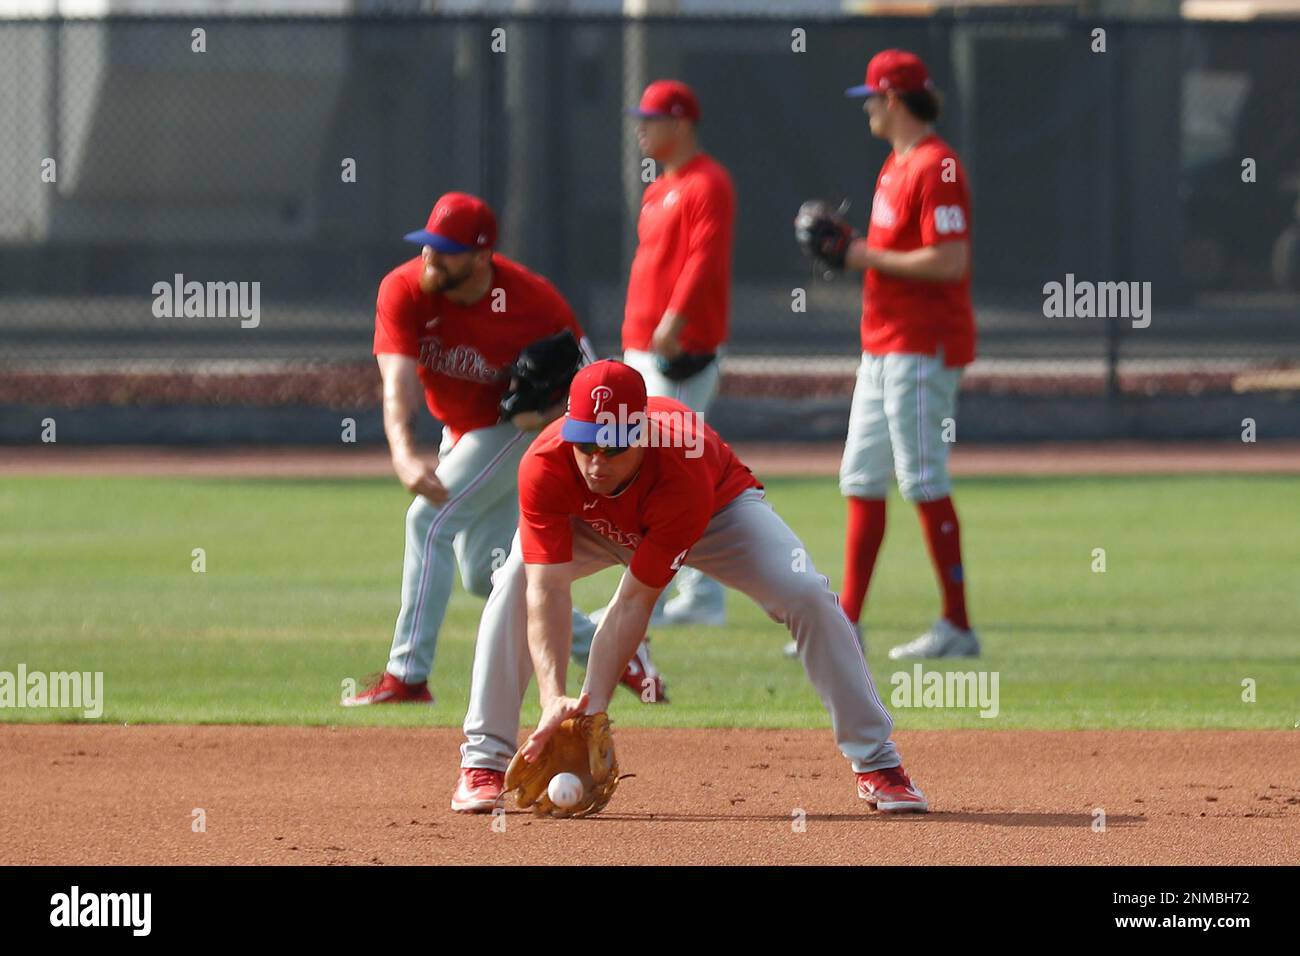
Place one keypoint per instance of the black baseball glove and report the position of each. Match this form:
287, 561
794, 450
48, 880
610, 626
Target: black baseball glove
823, 233
540, 377
685, 366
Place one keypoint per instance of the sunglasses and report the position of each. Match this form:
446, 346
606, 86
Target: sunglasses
591, 448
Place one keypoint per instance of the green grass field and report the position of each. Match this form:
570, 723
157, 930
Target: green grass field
1201, 591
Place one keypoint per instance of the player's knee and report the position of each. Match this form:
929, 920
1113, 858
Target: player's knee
855, 486
505, 570
801, 594
917, 488
421, 513
490, 568
478, 579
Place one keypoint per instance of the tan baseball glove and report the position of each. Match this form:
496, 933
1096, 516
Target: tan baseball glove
584, 747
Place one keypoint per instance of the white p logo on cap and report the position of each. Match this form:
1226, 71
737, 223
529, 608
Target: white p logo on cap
600, 395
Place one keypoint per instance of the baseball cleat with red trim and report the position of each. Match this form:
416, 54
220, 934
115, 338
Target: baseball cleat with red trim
391, 690
642, 678
890, 791
478, 790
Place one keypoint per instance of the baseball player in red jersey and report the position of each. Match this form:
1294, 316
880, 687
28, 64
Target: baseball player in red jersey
918, 333
644, 483
450, 323
679, 289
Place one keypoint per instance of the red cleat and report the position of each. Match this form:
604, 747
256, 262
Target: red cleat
642, 678
890, 791
390, 690
478, 790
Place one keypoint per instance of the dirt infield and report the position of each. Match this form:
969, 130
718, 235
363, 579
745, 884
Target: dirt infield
78, 794
818, 459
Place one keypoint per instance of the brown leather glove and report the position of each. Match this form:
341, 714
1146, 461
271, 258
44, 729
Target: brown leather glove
584, 747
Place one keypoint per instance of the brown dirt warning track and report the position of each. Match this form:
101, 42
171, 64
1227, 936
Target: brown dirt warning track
78, 794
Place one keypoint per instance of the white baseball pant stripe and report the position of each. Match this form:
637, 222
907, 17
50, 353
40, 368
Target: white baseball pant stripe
471, 531
696, 393
896, 425
746, 546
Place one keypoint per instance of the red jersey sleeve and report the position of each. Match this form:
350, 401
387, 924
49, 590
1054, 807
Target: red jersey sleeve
712, 212
395, 332
945, 203
545, 535
675, 522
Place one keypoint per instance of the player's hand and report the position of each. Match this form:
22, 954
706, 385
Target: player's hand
420, 478
536, 421
823, 233
859, 256
555, 713
666, 340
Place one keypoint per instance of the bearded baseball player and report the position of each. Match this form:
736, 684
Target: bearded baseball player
646, 484
475, 332
679, 289
918, 333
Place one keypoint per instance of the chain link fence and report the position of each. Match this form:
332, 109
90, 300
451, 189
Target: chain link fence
294, 153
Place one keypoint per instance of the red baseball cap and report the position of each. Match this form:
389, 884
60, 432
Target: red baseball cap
459, 222
893, 70
670, 98
604, 388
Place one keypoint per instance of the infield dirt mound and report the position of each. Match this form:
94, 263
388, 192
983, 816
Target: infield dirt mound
78, 794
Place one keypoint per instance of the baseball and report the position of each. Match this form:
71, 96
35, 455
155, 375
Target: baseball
565, 790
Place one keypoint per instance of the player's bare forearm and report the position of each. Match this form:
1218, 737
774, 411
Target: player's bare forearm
621, 629
550, 626
944, 262
402, 395
399, 428
401, 399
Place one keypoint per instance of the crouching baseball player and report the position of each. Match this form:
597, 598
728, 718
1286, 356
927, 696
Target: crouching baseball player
476, 333
645, 484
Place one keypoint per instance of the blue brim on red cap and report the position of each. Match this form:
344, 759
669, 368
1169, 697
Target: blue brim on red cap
425, 238
863, 90
586, 433
646, 114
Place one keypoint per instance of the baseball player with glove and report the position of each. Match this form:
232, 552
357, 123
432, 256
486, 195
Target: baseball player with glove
493, 347
679, 288
641, 482
918, 333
